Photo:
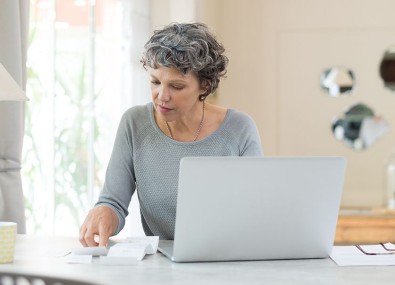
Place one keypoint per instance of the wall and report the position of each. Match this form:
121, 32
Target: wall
253, 33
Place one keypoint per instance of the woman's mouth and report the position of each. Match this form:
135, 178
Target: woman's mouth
163, 109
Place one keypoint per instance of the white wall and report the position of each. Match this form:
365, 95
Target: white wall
252, 32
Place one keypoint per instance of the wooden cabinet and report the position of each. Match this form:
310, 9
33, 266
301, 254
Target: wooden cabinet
365, 227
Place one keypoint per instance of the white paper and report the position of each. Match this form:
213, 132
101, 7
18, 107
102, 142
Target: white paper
77, 258
352, 256
118, 260
90, 250
150, 242
126, 252
136, 251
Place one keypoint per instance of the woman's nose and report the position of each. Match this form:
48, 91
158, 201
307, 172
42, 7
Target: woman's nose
163, 94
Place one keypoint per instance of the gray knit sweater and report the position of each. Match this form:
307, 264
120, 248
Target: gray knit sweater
145, 160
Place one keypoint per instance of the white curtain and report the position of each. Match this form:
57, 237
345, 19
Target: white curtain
136, 31
14, 19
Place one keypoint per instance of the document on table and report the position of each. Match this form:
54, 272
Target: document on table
364, 255
126, 252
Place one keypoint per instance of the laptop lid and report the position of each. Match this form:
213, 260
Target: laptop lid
256, 208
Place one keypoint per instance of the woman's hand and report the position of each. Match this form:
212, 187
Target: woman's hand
102, 222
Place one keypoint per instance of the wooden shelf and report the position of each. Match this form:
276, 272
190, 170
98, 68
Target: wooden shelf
365, 227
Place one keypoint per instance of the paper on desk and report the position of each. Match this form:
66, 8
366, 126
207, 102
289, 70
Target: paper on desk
78, 258
352, 256
132, 250
85, 254
126, 252
123, 254
116, 260
90, 250
150, 243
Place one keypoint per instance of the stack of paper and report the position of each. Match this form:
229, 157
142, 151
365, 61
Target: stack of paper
126, 252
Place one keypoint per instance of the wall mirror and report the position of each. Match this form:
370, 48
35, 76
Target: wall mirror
359, 127
387, 68
337, 81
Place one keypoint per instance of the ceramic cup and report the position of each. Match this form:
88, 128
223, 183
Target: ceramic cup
7, 241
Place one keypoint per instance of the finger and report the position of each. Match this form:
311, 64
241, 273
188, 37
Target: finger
89, 238
104, 236
82, 236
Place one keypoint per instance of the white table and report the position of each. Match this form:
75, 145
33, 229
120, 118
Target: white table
41, 255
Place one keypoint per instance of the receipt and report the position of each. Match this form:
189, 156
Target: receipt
90, 250
127, 252
150, 243
77, 258
130, 251
116, 260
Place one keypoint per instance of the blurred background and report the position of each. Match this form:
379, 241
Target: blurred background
297, 67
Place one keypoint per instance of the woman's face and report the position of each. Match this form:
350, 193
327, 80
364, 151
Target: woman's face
175, 95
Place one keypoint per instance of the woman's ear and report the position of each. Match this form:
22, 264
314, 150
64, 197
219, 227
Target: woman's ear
205, 88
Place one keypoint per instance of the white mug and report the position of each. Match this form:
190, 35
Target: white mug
7, 241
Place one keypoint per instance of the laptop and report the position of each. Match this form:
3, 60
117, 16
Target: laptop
256, 208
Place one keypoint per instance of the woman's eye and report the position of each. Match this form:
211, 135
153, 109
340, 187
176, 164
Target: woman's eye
154, 82
178, 87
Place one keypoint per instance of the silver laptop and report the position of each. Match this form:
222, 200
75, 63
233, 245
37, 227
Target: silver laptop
256, 208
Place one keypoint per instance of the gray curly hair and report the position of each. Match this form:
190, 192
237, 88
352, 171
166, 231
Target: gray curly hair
189, 47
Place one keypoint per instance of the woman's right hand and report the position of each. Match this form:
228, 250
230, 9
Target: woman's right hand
101, 221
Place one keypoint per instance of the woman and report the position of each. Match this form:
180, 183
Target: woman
185, 63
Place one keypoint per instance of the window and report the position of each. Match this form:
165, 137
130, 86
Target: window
83, 73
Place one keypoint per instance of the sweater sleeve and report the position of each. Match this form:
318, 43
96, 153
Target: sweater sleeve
120, 178
247, 132
253, 146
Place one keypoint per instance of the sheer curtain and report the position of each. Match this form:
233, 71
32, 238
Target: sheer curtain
14, 18
84, 72
136, 31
